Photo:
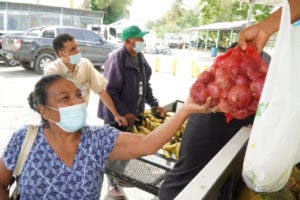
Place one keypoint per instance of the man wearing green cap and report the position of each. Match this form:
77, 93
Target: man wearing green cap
128, 74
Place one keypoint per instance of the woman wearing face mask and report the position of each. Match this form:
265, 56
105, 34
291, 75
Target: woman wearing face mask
128, 74
67, 158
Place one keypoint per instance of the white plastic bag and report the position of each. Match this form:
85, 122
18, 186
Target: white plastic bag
274, 143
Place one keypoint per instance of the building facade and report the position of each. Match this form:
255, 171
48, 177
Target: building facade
21, 16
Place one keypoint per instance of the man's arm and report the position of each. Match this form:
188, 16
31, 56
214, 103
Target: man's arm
260, 33
114, 75
106, 99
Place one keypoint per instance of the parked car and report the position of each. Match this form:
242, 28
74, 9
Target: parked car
174, 41
157, 48
34, 49
7, 61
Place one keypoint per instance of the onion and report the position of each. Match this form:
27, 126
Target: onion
256, 87
199, 93
239, 96
214, 91
234, 82
205, 77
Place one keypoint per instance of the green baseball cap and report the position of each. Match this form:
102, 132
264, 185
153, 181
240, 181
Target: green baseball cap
133, 31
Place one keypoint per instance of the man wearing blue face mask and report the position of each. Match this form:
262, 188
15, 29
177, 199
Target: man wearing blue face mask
128, 74
81, 71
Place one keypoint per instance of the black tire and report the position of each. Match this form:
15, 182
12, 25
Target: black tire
11, 63
42, 61
26, 65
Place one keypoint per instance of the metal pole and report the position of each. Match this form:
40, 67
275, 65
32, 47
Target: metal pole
206, 39
231, 36
218, 38
251, 4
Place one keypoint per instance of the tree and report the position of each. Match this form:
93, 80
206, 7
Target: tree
206, 12
176, 19
114, 9
228, 10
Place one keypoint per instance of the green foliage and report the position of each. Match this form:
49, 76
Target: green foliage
205, 12
226, 10
261, 12
175, 20
114, 9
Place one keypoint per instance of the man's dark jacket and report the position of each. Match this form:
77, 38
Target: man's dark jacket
123, 79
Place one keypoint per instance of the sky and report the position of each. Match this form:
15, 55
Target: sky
142, 11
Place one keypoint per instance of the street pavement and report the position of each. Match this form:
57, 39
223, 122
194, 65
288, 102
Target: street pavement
171, 80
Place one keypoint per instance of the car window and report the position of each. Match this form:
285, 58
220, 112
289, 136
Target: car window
76, 33
91, 36
96, 28
33, 32
48, 34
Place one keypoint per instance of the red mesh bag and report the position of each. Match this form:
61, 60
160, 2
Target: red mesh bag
234, 82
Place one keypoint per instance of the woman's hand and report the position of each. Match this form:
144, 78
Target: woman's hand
191, 106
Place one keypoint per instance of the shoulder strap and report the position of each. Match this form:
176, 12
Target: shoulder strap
25, 149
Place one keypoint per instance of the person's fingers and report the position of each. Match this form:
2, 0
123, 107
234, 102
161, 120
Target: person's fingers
136, 119
259, 47
206, 107
122, 121
161, 111
215, 109
125, 123
119, 121
242, 40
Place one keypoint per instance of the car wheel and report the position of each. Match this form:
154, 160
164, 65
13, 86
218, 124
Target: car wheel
42, 61
10, 62
26, 65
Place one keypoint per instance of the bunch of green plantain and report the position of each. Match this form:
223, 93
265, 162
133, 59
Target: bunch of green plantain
150, 121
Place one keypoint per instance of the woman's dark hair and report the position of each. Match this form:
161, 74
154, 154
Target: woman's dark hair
59, 40
39, 95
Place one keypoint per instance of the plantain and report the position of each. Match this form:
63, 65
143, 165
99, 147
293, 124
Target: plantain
146, 112
141, 131
156, 124
166, 154
144, 130
165, 120
291, 183
149, 124
169, 114
169, 147
177, 149
247, 194
154, 119
178, 133
134, 130
296, 174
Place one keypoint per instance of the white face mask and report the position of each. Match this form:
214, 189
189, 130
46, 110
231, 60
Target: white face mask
139, 46
72, 118
75, 59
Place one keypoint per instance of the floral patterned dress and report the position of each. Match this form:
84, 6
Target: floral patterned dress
45, 176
